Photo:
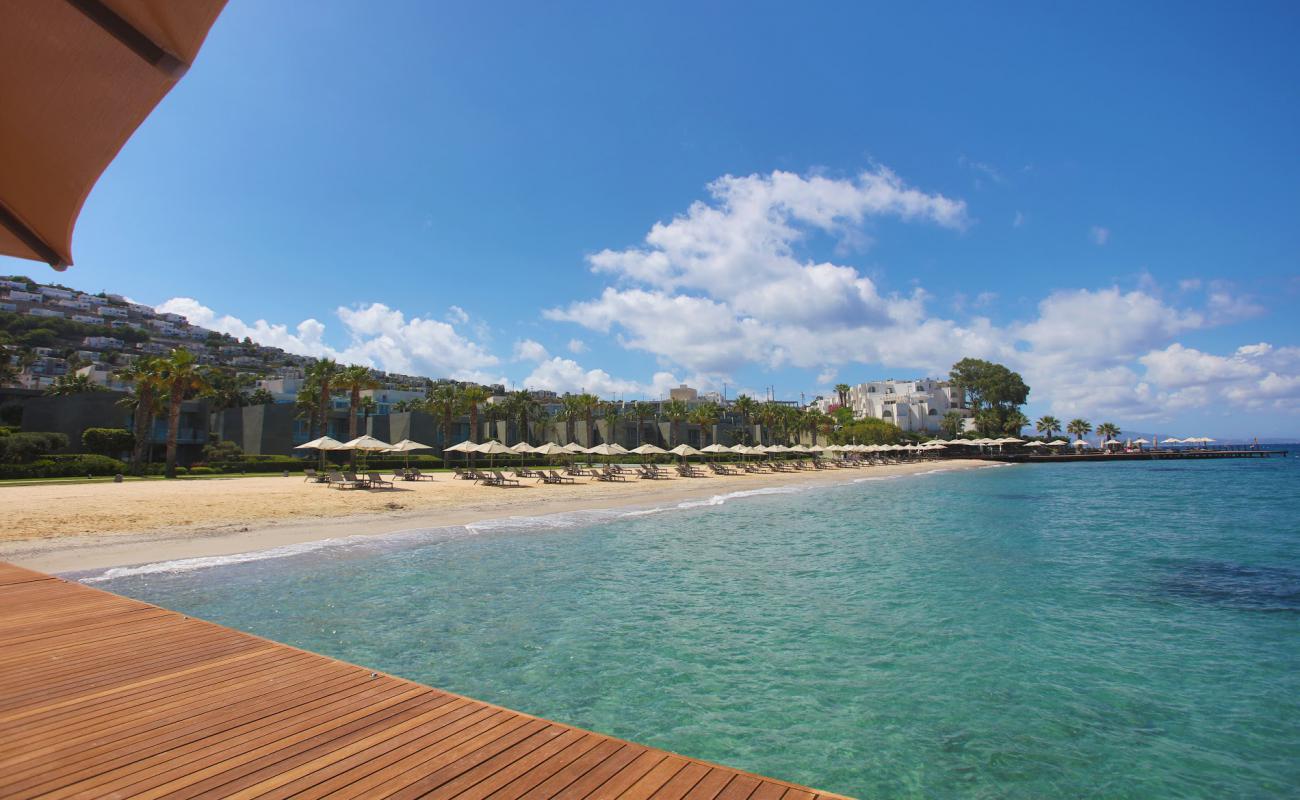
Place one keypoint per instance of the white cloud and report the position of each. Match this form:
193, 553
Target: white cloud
566, 375
457, 315
1099, 235
577, 346
529, 350
378, 336
723, 287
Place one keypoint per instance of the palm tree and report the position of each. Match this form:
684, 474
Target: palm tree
1047, 425
143, 375
676, 412
1107, 431
494, 413
180, 374
745, 406
471, 397
523, 407
951, 423
815, 420
1014, 422
611, 413
570, 412
67, 385
642, 411
367, 406
322, 375
225, 390
587, 405
842, 389
354, 380
402, 405
1079, 427
706, 415
770, 417
306, 405
444, 401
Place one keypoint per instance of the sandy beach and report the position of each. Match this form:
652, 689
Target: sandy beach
75, 527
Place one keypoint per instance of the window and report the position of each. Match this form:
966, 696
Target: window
934, 412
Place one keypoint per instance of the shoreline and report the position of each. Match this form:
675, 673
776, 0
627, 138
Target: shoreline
249, 515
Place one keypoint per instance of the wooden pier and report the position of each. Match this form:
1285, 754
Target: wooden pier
106, 697
1144, 455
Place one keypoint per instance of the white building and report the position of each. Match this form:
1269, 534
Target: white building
113, 311
8, 307
50, 291
8, 284
101, 375
87, 319
79, 305
385, 398
43, 312
913, 405
20, 296
103, 342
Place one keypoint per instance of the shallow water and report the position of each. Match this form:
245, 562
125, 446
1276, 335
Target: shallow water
1101, 630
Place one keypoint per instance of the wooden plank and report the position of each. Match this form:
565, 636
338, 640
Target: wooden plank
101, 696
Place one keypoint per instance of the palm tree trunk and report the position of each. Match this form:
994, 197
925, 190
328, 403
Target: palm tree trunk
173, 429
142, 426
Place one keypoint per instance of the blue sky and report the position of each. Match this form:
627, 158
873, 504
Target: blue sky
1103, 197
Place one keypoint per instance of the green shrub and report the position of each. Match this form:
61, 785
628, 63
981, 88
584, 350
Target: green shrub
107, 441
21, 448
64, 467
200, 470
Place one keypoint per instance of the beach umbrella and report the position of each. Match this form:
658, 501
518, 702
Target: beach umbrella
776, 448
465, 447
549, 449
79, 79
1057, 443
492, 448
1172, 440
1113, 441
322, 444
716, 448
1140, 441
365, 444
649, 450
797, 448
685, 450
522, 448
406, 446
1080, 443
1011, 440
1035, 444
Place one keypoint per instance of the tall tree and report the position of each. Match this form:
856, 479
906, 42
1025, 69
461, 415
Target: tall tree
611, 412
180, 373
225, 390
143, 374
843, 389
816, 421
676, 412
444, 403
994, 392
642, 411
1079, 427
570, 413
1108, 430
471, 398
322, 375
1047, 425
354, 380
746, 407
588, 405
525, 409
706, 415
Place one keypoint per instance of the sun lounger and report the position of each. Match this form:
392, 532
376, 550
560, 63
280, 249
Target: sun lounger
338, 481
609, 475
551, 476
314, 476
375, 479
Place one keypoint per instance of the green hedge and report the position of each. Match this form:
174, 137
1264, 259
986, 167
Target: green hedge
63, 467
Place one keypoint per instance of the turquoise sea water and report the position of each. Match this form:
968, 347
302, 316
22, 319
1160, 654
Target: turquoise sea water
1076, 630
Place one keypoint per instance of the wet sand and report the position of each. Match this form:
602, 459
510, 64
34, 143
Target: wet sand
76, 527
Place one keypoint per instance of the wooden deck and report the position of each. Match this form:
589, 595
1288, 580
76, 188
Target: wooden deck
106, 697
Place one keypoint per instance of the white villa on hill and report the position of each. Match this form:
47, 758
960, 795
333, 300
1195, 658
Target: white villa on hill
913, 405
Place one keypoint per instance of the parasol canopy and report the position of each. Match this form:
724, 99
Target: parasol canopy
649, 450
323, 443
79, 78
